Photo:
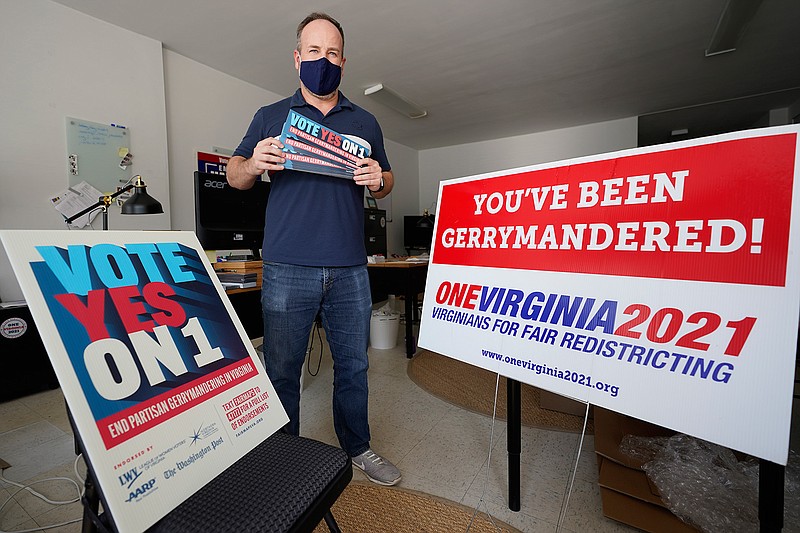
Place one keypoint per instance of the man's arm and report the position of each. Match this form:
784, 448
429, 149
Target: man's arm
242, 173
238, 175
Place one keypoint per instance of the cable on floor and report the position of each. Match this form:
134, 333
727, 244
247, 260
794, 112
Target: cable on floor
21, 487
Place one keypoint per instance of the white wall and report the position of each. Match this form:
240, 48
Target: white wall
205, 108
500, 154
56, 62
405, 195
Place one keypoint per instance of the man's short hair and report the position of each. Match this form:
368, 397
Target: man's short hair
318, 16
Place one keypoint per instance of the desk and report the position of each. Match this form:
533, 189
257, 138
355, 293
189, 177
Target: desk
392, 277
399, 277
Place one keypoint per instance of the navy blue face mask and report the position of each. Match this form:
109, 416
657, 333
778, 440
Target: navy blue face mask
321, 77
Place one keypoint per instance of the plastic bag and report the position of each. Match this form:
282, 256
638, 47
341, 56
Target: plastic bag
707, 486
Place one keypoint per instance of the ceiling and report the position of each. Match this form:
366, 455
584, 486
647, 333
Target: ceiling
487, 70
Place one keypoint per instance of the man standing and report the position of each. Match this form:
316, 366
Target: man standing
313, 250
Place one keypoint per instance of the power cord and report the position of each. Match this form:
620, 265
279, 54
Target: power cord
21, 487
315, 329
91, 223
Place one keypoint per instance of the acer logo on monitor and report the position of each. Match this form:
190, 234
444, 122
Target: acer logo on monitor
226, 218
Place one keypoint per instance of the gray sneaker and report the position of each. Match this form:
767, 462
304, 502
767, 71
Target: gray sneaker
377, 469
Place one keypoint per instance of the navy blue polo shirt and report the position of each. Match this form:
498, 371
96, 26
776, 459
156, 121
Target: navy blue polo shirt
312, 219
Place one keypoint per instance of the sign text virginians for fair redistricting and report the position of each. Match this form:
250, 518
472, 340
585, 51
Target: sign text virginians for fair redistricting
161, 380
660, 282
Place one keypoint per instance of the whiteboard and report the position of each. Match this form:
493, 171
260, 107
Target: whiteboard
94, 153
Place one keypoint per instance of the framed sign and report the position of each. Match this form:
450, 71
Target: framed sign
659, 282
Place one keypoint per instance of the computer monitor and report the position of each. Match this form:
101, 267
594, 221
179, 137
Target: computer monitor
416, 235
226, 218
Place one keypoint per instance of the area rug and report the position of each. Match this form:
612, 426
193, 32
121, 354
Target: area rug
364, 507
473, 388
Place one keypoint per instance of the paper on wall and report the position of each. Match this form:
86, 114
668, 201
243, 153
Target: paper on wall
74, 200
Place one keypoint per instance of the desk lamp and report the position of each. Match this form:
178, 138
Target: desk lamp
425, 221
140, 203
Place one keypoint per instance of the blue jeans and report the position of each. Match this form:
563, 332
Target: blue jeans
291, 298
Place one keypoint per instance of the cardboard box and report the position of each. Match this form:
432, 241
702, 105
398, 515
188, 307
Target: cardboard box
626, 492
613, 427
645, 516
556, 402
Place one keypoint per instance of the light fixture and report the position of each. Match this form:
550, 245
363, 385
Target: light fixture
140, 203
733, 21
384, 95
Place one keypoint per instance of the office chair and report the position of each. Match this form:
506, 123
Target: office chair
285, 484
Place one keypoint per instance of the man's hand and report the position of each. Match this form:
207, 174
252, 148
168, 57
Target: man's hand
368, 173
267, 156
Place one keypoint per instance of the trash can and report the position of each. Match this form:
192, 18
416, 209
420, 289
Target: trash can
383, 328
